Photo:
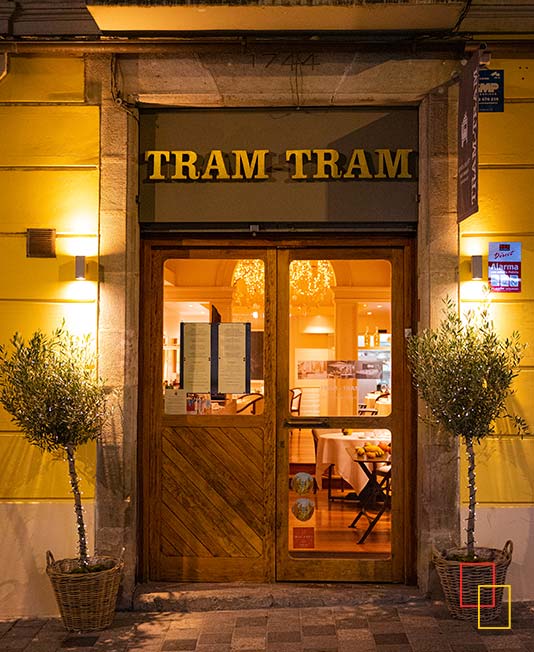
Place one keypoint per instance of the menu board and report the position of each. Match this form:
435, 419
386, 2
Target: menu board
215, 358
232, 372
196, 357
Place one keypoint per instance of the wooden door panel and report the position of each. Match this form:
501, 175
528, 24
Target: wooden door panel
212, 507
209, 501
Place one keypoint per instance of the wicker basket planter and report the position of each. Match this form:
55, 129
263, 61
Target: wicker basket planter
86, 601
474, 575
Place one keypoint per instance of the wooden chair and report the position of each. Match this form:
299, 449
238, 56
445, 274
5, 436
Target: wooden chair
295, 398
385, 395
367, 412
249, 403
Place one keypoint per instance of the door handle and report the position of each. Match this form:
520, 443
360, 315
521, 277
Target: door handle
306, 423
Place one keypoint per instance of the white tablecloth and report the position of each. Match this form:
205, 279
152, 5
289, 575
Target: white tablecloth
331, 449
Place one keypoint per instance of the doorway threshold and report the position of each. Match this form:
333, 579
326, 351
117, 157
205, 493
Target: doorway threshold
190, 597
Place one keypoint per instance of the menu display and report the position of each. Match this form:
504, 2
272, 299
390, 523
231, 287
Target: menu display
232, 377
196, 347
215, 358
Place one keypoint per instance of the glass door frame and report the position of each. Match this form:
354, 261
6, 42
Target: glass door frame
400, 567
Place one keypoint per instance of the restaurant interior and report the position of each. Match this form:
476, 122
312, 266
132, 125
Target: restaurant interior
339, 356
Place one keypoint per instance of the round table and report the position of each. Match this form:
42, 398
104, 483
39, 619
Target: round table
332, 449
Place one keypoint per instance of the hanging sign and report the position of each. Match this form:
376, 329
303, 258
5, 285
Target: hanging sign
504, 266
491, 91
468, 139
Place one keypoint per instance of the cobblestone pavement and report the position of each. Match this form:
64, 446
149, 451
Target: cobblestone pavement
417, 627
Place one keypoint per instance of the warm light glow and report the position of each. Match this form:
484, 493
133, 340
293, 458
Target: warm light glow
318, 325
473, 246
80, 318
248, 281
474, 291
310, 283
74, 245
83, 291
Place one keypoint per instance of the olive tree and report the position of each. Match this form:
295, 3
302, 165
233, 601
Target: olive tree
464, 372
50, 387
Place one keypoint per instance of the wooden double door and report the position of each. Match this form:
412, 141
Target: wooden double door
219, 500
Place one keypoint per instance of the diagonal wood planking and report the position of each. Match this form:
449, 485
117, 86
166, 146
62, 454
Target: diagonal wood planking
213, 498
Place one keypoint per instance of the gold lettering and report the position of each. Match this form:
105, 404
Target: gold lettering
254, 169
401, 159
358, 161
299, 155
215, 164
185, 159
326, 158
158, 158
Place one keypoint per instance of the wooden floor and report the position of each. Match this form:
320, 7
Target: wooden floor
331, 519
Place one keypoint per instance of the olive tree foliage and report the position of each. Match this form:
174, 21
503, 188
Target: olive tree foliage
464, 373
50, 387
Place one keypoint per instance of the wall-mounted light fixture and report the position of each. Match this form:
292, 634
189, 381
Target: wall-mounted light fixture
476, 268
79, 268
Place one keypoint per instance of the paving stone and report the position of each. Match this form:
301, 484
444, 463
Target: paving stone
15, 644
510, 641
285, 647
211, 638
429, 645
346, 622
394, 638
249, 632
251, 621
249, 643
179, 644
284, 636
319, 630
322, 643
349, 647
386, 627
347, 628
356, 636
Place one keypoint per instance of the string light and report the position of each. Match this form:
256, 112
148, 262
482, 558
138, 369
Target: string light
311, 283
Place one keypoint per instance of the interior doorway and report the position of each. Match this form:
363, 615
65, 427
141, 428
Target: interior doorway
276, 412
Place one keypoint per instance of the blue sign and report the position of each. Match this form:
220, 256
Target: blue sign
491, 91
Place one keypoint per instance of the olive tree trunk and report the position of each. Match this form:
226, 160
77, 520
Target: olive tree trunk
75, 487
470, 529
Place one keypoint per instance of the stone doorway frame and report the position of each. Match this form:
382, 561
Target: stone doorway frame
118, 321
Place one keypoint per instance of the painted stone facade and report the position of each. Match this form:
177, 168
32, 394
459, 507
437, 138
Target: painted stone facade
70, 162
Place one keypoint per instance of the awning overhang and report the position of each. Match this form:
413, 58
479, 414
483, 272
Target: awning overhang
388, 17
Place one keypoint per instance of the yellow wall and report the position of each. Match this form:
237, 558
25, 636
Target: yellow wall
505, 468
49, 176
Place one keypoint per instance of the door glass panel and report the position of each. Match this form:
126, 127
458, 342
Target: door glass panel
340, 366
340, 336
213, 349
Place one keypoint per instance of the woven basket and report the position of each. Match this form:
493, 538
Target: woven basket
474, 575
86, 601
